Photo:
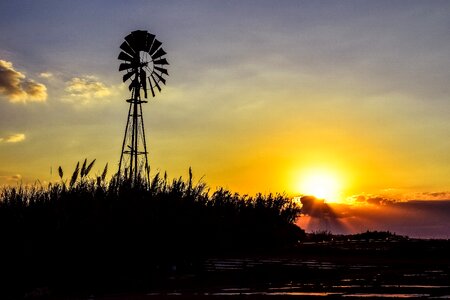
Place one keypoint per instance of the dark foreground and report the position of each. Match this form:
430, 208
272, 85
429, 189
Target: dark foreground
91, 239
365, 269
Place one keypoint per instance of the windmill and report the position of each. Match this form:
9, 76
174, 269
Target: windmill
143, 60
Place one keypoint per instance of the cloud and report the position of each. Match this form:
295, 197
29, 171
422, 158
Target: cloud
391, 196
16, 177
371, 199
13, 138
329, 216
46, 75
315, 207
17, 88
85, 89
414, 218
8, 178
431, 196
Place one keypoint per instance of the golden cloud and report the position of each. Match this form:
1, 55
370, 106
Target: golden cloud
15, 177
17, 88
85, 89
13, 138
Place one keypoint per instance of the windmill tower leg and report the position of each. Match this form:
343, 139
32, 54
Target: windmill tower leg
146, 165
123, 172
133, 163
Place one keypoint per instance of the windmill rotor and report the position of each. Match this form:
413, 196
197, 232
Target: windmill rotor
142, 54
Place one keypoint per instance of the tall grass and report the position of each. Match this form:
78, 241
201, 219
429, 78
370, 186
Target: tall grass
88, 230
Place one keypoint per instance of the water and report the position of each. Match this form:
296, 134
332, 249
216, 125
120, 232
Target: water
314, 278
257, 277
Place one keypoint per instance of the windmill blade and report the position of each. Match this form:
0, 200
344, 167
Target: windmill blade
139, 37
149, 41
130, 39
155, 46
160, 78
162, 61
158, 53
127, 76
151, 86
124, 56
143, 81
156, 83
126, 66
125, 47
162, 70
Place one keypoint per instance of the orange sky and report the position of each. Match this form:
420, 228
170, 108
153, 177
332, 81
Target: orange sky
259, 95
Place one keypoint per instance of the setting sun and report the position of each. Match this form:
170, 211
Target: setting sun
321, 184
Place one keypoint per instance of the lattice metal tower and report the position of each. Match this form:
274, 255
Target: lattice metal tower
144, 65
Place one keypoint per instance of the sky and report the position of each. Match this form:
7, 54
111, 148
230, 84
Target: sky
261, 96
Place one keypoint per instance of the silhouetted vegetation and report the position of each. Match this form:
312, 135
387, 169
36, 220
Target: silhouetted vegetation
378, 235
328, 236
88, 233
85, 235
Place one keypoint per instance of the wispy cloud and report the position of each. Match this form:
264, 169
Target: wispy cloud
85, 89
46, 75
13, 138
390, 196
372, 199
17, 88
9, 178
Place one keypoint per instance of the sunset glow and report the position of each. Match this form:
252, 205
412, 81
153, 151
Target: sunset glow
320, 184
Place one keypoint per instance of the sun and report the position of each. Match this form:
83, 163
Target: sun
321, 184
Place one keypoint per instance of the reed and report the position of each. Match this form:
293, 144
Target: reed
113, 228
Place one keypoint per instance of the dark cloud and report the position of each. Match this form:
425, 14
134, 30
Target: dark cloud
17, 88
415, 218
328, 217
373, 199
315, 207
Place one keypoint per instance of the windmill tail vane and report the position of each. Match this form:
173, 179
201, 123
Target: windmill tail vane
143, 61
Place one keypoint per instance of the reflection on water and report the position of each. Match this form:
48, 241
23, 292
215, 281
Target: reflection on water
363, 295
254, 277
318, 294
415, 286
310, 294
336, 279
